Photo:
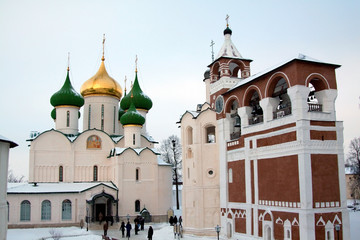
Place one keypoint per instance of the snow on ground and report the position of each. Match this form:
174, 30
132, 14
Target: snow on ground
162, 231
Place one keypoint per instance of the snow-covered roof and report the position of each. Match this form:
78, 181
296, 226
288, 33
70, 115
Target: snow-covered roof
116, 138
4, 139
78, 187
228, 49
73, 137
119, 151
149, 138
301, 57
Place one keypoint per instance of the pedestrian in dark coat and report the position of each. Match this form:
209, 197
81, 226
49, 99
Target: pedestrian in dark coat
175, 220
128, 229
142, 222
105, 227
136, 221
122, 228
171, 220
150, 233
180, 220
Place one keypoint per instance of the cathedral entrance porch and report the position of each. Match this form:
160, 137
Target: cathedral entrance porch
103, 207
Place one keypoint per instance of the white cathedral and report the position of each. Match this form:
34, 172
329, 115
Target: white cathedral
109, 169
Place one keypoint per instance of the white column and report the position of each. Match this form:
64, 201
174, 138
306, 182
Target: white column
268, 105
298, 96
244, 113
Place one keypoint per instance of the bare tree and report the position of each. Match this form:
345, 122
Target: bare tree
14, 179
353, 160
170, 150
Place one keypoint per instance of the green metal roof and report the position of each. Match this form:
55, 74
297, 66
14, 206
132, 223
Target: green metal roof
67, 95
140, 99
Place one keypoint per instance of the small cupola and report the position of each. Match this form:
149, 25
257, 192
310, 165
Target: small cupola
67, 95
138, 97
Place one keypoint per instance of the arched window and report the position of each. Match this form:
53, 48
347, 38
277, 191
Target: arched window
89, 118
95, 173
230, 175
235, 70
137, 174
25, 210
284, 104
61, 174
8, 208
67, 118
257, 112
313, 102
235, 121
133, 139
102, 117
190, 135
66, 210
210, 134
137, 206
46, 210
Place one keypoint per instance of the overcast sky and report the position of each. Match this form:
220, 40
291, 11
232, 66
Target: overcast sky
172, 41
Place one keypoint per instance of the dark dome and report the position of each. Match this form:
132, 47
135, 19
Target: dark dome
207, 74
227, 31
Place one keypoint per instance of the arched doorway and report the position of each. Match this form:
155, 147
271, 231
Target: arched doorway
102, 207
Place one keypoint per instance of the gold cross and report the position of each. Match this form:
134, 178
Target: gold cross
68, 68
103, 58
227, 20
136, 59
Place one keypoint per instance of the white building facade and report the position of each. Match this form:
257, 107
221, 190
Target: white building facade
113, 154
279, 150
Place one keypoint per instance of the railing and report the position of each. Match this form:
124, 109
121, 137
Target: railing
235, 135
256, 119
281, 112
313, 107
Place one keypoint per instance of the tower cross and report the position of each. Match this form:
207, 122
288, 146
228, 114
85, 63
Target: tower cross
125, 84
68, 68
227, 20
103, 43
136, 59
212, 49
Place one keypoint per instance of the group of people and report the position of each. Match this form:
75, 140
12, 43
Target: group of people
174, 220
139, 224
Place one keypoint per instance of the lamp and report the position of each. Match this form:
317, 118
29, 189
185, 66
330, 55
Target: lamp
337, 228
217, 229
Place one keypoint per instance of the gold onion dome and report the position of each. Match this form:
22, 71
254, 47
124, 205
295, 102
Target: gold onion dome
101, 84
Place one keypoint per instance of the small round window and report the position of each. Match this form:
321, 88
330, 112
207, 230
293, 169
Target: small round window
211, 172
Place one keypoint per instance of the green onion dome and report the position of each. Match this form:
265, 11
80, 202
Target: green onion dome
132, 117
121, 112
53, 114
140, 99
67, 95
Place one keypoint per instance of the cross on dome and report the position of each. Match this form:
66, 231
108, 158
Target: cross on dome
103, 53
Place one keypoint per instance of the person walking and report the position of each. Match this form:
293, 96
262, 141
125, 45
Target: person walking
128, 229
150, 233
122, 229
105, 227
